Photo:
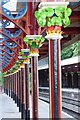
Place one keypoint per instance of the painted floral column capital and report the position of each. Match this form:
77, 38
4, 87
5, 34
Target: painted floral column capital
34, 42
53, 16
24, 55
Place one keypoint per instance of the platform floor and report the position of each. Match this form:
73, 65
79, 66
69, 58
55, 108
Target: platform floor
8, 109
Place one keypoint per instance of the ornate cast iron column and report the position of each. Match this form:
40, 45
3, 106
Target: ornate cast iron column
27, 90
34, 71
22, 91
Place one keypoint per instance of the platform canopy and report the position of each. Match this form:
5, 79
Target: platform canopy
17, 20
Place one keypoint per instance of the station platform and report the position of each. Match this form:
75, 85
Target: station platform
8, 109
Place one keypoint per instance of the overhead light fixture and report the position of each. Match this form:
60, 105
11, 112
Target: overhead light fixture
75, 66
69, 67
63, 68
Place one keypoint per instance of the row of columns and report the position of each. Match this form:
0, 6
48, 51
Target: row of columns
70, 79
18, 84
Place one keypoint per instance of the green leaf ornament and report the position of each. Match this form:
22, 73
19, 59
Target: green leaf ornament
34, 45
42, 39
49, 12
59, 10
42, 22
63, 11
37, 14
49, 23
66, 22
38, 39
56, 21
68, 12
25, 39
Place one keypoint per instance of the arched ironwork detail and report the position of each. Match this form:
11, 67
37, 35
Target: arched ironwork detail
21, 12
4, 24
11, 44
14, 35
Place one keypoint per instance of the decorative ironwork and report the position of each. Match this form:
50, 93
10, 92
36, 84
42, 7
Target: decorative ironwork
3, 38
11, 44
20, 13
74, 4
9, 51
4, 24
14, 35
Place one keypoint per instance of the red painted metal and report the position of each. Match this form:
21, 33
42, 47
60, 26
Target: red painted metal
12, 62
34, 67
16, 22
51, 81
27, 90
71, 30
22, 93
55, 79
66, 31
31, 26
10, 38
19, 91
59, 81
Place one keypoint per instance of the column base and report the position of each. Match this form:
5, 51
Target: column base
27, 114
13, 96
20, 106
9, 93
22, 111
6, 91
17, 101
